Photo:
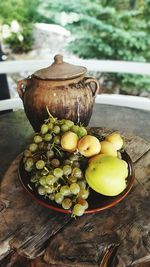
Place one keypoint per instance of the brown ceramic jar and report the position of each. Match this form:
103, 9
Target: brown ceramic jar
63, 89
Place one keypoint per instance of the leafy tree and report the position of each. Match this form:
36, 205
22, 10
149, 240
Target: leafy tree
102, 29
22, 11
105, 29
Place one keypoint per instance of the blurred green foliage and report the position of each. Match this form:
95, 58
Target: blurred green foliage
102, 29
25, 12
23, 44
105, 29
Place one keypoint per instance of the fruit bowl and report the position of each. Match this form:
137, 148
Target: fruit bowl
96, 201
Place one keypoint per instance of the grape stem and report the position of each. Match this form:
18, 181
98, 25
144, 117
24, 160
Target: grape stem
45, 168
50, 115
54, 146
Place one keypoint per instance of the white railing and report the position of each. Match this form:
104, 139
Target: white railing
92, 65
109, 99
124, 101
12, 103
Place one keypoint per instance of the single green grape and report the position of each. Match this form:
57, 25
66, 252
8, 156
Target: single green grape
58, 198
82, 131
65, 190
49, 189
28, 169
58, 172
78, 210
41, 190
50, 126
29, 162
45, 147
76, 172
74, 188
64, 128
84, 193
37, 139
57, 139
48, 137
83, 202
50, 154
67, 170
44, 129
67, 162
41, 146
69, 123
27, 153
56, 129
82, 184
61, 122
51, 197
40, 164
74, 157
75, 128
42, 180
50, 179
67, 203
72, 179
55, 162
76, 164
33, 147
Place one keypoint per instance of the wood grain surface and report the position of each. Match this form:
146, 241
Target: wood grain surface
31, 235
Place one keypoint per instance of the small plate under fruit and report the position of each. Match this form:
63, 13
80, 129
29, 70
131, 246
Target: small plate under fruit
97, 202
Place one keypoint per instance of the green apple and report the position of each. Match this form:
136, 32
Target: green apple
107, 175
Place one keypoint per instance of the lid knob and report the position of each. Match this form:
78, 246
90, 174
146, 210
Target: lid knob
58, 59
60, 70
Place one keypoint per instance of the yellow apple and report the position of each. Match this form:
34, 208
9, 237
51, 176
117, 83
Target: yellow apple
107, 176
96, 157
116, 140
89, 146
69, 141
108, 149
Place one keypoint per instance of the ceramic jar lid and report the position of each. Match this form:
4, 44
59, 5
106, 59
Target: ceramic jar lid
60, 70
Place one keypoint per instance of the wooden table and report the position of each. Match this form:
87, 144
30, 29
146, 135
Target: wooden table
31, 235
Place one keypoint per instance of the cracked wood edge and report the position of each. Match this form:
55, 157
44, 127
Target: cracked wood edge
24, 225
131, 229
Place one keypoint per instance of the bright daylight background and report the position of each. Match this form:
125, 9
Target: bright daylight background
90, 29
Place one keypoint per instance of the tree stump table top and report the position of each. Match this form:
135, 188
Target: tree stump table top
33, 236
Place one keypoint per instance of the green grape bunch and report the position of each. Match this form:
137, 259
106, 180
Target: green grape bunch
56, 172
